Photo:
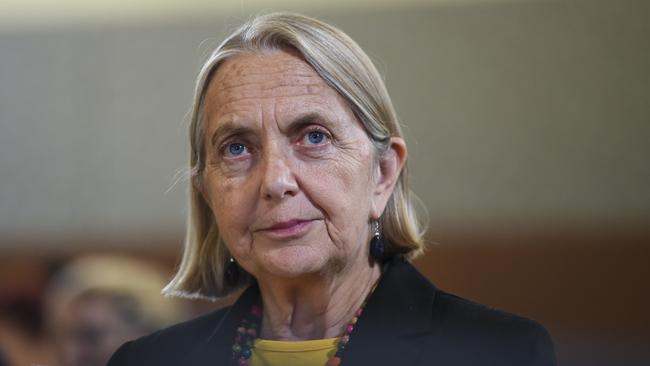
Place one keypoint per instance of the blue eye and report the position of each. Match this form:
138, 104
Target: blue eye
315, 137
236, 148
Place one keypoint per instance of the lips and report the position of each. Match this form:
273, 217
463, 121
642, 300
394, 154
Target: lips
287, 224
288, 228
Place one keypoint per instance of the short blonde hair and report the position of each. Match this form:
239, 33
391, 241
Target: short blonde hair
343, 65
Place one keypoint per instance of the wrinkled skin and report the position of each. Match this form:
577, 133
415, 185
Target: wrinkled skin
291, 175
294, 182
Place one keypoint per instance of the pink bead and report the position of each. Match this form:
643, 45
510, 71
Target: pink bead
241, 361
256, 310
252, 333
345, 339
359, 311
349, 328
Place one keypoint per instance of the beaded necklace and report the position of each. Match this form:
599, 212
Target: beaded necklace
246, 334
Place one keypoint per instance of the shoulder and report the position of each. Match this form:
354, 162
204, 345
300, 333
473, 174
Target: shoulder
452, 330
482, 333
168, 346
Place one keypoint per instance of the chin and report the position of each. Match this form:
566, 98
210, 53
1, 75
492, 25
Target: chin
294, 261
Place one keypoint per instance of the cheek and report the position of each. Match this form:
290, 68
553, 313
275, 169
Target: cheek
232, 204
341, 187
353, 172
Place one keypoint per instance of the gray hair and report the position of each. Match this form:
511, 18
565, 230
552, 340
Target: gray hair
343, 65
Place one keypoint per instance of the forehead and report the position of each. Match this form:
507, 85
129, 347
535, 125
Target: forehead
246, 79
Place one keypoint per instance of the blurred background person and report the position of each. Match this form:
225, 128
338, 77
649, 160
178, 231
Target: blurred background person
96, 303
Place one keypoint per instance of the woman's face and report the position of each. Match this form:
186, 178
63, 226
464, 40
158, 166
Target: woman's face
290, 173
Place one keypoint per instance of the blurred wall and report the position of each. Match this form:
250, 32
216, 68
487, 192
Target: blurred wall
527, 122
525, 112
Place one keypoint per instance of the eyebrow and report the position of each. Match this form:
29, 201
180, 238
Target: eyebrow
226, 130
231, 128
303, 121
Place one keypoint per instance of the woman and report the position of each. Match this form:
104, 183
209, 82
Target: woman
299, 193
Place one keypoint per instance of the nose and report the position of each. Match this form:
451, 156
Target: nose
278, 180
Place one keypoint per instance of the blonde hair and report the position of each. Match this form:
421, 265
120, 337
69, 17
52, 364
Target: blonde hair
343, 65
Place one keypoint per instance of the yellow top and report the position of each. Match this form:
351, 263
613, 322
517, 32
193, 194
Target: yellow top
281, 353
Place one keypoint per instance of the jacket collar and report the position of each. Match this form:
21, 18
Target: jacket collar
395, 318
217, 348
397, 314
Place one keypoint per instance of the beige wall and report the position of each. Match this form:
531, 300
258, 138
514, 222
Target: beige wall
516, 113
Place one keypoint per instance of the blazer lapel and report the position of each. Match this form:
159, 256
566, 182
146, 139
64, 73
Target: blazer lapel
216, 349
395, 320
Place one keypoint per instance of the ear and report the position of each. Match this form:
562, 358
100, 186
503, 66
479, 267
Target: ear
388, 172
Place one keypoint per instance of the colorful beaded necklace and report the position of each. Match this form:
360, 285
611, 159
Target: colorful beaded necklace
242, 349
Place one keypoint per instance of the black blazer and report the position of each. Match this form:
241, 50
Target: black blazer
407, 321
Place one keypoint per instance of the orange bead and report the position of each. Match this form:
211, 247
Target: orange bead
334, 361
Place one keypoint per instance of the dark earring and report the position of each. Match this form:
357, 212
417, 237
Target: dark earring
231, 272
377, 248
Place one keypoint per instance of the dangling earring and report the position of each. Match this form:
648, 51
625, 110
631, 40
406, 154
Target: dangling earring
231, 272
377, 249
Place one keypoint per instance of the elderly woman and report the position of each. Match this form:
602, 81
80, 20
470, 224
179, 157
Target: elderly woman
299, 194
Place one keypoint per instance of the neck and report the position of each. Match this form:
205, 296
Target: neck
315, 306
